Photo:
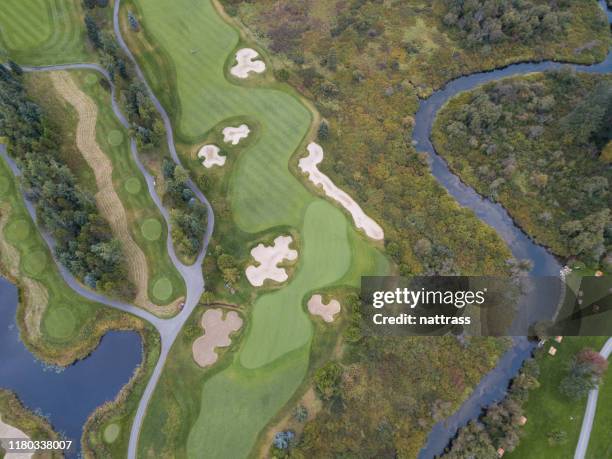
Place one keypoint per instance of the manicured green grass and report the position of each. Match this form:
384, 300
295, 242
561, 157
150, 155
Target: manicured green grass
220, 412
547, 409
162, 289
143, 216
70, 324
39, 32
111, 433
263, 194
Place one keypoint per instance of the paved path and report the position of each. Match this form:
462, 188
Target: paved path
589, 413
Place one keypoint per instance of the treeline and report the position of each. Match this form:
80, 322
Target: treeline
188, 213
494, 21
84, 242
501, 424
535, 144
145, 123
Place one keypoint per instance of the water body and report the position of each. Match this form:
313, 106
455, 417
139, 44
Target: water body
493, 386
69, 396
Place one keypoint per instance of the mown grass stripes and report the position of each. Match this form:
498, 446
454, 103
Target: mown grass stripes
41, 32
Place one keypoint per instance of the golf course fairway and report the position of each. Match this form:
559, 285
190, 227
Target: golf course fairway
223, 411
43, 32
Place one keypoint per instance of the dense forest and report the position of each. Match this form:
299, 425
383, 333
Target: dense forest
84, 242
535, 144
494, 21
188, 214
145, 124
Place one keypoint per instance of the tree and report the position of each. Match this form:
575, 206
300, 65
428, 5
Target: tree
327, 380
15, 67
91, 4
93, 33
323, 131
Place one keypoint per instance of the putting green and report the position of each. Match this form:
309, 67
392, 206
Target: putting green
18, 230
162, 289
111, 432
43, 31
132, 185
60, 322
115, 138
151, 229
34, 263
5, 186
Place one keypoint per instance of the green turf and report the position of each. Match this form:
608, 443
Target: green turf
162, 289
151, 229
132, 185
91, 79
547, 409
263, 193
38, 32
600, 444
115, 138
18, 230
111, 432
4, 186
138, 204
60, 323
35, 262
238, 401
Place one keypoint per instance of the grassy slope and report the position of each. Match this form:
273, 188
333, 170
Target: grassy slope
238, 401
547, 409
39, 32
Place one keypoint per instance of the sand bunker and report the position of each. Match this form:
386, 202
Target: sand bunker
326, 311
246, 64
217, 333
8, 431
235, 134
268, 259
211, 156
309, 166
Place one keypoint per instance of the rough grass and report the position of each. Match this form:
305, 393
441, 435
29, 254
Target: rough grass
40, 32
220, 412
547, 409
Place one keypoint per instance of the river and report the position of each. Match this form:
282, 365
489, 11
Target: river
493, 386
67, 396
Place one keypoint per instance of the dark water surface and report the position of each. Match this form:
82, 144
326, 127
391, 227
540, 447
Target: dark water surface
493, 386
68, 396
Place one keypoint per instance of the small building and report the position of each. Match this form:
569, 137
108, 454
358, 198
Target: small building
598, 273
558, 339
552, 350
522, 421
500, 452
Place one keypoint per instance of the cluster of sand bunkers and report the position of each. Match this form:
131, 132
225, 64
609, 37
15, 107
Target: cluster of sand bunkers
217, 331
210, 153
246, 63
268, 258
309, 164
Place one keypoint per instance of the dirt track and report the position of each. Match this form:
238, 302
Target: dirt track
107, 200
